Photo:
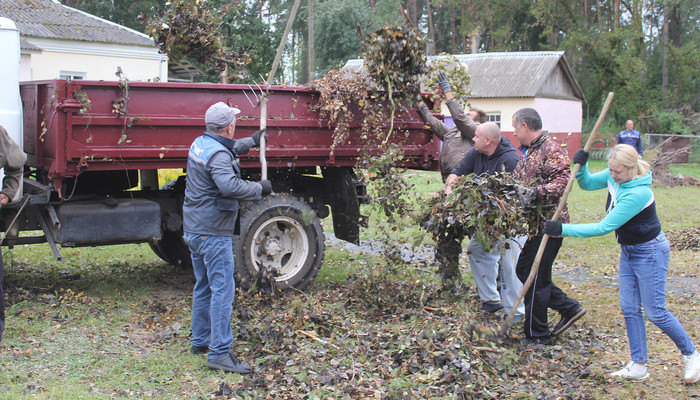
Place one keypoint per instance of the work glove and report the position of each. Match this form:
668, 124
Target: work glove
552, 227
266, 187
581, 157
443, 82
527, 195
256, 137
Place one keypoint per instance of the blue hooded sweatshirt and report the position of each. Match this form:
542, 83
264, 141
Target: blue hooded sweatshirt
631, 209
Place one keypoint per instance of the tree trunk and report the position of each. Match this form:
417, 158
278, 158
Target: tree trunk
431, 30
664, 57
465, 45
312, 42
454, 31
413, 12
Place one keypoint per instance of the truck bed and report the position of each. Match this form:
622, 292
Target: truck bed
63, 137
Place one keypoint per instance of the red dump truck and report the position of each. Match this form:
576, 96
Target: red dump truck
94, 148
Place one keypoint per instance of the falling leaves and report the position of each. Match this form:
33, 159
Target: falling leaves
395, 58
190, 31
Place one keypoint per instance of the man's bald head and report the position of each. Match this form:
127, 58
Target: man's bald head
491, 130
487, 138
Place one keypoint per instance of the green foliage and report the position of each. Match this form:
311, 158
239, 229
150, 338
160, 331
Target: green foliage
456, 72
392, 193
246, 31
338, 41
133, 14
671, 123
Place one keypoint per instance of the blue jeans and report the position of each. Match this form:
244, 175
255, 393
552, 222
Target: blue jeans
212, 297
643, 269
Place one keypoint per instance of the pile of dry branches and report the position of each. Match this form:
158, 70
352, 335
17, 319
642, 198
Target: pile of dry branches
659, 166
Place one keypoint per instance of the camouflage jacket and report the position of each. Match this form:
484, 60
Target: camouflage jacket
545, 166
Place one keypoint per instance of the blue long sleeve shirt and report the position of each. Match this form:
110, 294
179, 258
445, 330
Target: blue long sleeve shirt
632, 138
631, 209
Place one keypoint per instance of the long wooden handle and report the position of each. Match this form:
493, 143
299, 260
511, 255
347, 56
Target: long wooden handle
268, 81
562, 203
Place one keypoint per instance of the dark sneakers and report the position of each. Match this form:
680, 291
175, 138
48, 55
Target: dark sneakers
534, 341
568, 320
229, 363
492, 307
199, 350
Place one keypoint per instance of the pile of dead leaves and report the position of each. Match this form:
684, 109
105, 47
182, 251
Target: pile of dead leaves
486, 208
340, 341
685, 239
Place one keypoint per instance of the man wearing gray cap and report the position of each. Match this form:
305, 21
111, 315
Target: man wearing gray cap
210, 210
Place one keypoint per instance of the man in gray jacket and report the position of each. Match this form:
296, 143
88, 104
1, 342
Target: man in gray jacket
210, 210
12, 160
456, 140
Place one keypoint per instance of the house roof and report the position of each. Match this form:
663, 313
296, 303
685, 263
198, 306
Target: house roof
516, 74
48, 19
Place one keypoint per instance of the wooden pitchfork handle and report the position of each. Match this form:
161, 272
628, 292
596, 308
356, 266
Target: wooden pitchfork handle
562, 203
268, 81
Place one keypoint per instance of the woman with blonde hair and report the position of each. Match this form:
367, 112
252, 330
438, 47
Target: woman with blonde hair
644, 254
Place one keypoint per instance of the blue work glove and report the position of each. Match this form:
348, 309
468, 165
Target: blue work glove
256, 137
581, 157
266, 187
552, 227
443, 82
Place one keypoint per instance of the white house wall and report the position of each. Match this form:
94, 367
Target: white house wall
97, 61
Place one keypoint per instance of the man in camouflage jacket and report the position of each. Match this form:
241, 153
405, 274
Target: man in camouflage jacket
544, 168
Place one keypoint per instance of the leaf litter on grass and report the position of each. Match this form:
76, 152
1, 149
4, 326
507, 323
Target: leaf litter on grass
395, 338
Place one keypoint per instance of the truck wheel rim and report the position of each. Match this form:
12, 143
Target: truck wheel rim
280, 244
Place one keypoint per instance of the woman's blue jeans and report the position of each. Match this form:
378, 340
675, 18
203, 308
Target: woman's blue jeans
643, 269
212, 297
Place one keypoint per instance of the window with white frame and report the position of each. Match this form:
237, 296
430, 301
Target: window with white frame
72, 75
494, 117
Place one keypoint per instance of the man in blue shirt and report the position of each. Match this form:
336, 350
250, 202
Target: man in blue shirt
214, 188
631, 137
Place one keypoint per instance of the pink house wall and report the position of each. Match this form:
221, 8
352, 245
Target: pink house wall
562, 118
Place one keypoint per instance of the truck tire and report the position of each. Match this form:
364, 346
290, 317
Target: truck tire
342, 197
281, 244
171, 247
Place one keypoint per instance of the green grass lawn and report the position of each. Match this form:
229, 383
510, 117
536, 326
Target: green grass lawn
113, 322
